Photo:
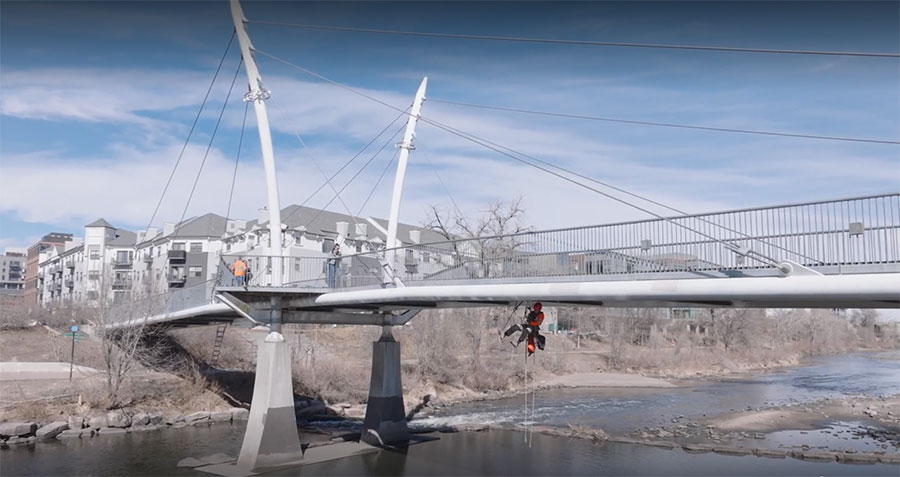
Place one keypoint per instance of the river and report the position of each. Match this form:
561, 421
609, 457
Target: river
505, 452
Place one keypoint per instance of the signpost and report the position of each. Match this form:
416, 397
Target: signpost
76, 337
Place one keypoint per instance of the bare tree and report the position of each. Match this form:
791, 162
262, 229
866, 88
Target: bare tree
729, 326
484, 242
119, 320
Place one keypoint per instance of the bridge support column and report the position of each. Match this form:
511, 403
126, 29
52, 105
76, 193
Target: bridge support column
271, 438
385, 421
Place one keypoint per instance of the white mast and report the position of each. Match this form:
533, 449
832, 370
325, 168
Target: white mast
405, 147
258, 95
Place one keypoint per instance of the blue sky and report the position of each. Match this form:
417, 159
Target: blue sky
97, 99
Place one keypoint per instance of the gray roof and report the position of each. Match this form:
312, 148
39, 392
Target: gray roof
209, 225
123, 238
100, 223
323, 222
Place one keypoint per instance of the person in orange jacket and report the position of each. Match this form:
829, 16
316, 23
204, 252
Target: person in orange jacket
534, 317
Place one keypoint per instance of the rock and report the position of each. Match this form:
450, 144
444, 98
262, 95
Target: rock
732, 450
118, 419
696, 448
112, 430
772, 454
17, 429
240, 414
51, 430
140, 419
29, 440
817, 456
76, 422
149, 427
858, 458
14, 440
224, 416
664, 434
190, 462
312, 409
663, 444
174, 418
70, 434
199, 416
98, 422
889, 459
156, 418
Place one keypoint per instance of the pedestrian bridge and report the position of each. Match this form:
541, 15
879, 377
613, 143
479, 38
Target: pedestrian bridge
828, 254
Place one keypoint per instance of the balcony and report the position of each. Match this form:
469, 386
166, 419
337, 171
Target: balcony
57, 286
70, 283
70, 263
121, 283
148, 259
177, 255
176, 281
122, 263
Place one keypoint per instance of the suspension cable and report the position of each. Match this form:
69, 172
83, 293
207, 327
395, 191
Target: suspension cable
208, 147
191, 132
584, 42
344, 166
236, 160
358, 172
383, 173
755, 255
668, 125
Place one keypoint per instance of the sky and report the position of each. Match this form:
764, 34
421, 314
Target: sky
97, 100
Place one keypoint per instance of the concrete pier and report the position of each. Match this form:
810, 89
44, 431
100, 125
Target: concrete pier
385, 421
271, 438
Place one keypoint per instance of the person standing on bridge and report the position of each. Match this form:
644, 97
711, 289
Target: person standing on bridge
534, 317
333, 267
239, 270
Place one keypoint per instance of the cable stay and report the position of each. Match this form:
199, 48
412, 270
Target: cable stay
471, 138
208, 148
237, 159
346, 164
732, 49
668, 125
187, 140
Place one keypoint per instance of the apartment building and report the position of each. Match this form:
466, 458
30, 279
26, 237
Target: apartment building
114, 265
36, 254
12, 276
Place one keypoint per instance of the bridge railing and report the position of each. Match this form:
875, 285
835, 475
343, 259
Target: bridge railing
855, 231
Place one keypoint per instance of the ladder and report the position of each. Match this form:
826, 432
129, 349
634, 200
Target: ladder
217, 345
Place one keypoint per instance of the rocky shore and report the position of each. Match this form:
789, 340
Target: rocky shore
112, 422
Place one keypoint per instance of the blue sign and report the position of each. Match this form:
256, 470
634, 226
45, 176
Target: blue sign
74, 328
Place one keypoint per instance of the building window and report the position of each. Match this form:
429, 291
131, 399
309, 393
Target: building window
196, 246
195, 272
94, 274
178, 246
327, 245
95, 254
228, 247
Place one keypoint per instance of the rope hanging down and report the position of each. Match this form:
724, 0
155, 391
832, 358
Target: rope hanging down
585, 42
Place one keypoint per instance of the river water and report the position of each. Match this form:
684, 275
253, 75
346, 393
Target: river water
505, 452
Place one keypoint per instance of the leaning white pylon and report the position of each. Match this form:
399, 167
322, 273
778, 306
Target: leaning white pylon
405, 147
258, 95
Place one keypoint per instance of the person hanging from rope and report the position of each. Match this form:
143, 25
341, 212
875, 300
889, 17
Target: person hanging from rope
534, 317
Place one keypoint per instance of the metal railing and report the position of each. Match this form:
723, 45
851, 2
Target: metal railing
857, 231
827, 234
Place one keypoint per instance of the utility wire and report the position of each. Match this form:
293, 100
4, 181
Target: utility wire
583, 42
669, 125
208, 147
191, 132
